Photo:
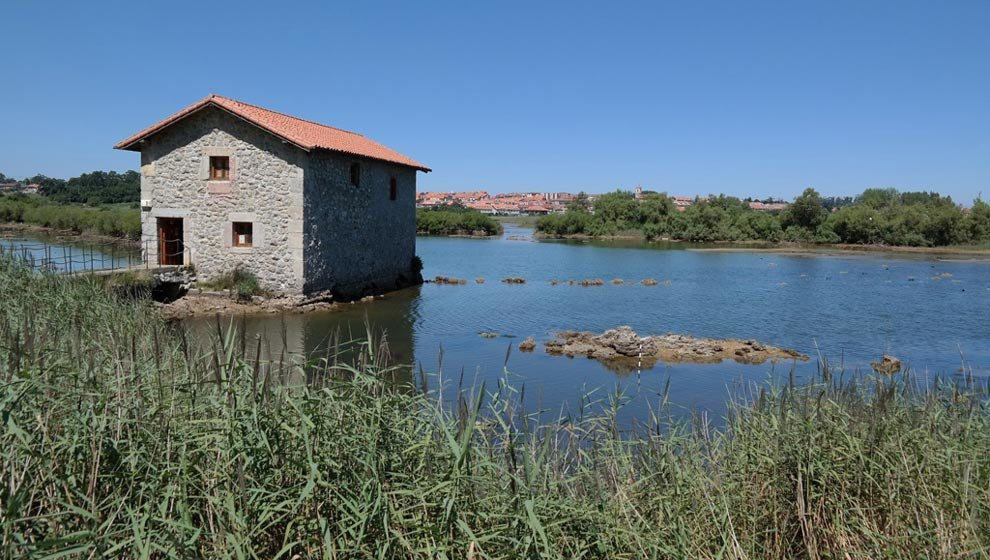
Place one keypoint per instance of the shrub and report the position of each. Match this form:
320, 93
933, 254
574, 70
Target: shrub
242, 283
459, 221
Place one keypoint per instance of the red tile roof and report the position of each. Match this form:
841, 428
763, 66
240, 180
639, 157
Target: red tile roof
305, 134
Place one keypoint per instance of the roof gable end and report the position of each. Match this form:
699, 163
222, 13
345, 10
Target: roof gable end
307, 135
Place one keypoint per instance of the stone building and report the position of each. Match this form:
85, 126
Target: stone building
305, 207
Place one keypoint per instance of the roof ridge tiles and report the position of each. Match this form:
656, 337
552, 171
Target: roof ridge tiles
225, 98
305, 134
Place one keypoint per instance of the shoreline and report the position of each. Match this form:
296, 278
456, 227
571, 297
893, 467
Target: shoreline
845, 248
64, 235
781, 247
784, 247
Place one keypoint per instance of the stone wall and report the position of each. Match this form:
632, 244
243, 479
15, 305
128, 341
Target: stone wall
266, 188
356, 239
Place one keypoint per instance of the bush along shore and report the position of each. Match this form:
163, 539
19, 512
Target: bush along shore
119, 220
878, 216
455, 220
122, 436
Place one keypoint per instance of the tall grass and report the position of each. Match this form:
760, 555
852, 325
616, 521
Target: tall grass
124, 437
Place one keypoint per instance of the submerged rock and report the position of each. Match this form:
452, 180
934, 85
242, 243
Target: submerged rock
624, 345
514, 280
488, 334
887, 365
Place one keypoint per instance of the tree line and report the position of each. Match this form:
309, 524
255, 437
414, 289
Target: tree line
97, 187
877, 216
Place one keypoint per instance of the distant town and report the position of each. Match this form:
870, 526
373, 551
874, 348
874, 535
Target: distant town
540, 203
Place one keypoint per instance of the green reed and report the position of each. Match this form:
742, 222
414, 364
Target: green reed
126, 437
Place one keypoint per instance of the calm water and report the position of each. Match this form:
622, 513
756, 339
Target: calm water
52, 254
933, 314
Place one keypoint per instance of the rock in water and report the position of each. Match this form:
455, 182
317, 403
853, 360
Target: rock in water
887, 365
622, 345
527, 345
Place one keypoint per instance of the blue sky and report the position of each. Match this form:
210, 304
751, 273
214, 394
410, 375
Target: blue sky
747, 98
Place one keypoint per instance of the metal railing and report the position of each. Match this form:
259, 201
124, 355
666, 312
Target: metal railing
75, 258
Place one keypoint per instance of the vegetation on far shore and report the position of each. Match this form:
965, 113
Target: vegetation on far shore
878, 216
118, 220
105, 203
455, 220
96, 187
122, 436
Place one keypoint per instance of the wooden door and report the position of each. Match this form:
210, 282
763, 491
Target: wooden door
170, 247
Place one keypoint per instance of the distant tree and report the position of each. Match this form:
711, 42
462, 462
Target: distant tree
730, 204
832, 203
878, 198
656, 207
580, 203
620, 208
97, 187
807, 211
926, 198
978, 221
45, 182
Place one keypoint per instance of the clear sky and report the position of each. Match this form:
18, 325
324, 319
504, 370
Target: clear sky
747, 98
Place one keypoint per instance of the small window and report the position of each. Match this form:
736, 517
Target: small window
220, 168
356, 174
393, 188
242, 234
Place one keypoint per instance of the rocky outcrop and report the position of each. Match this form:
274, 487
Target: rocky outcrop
623, 345
528, 345
887, 365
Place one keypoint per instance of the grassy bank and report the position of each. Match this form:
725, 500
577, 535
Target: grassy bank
519, 220
455, 221
119, 220
123, 437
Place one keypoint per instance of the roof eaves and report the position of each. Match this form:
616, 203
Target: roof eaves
414, 164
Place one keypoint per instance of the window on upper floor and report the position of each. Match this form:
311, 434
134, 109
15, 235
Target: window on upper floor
393, 188
242, 234
220, 168
356, 174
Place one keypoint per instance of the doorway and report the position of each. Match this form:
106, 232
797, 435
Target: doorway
170, 247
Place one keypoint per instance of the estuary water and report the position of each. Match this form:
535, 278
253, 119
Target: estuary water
51, 254
932, 313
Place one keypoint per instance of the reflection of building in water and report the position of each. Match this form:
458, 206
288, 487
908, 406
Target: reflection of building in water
300, 345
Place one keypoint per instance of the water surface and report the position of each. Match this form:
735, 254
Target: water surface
52, 254
848, 308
